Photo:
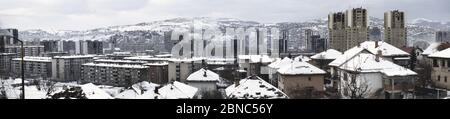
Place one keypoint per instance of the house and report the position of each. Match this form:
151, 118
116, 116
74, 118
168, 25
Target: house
302, 58
255, 64
441, 68
416, 55
324, 58
362, 74
177, 90
141, 90
300, 79
204, 80
86, 91
433, 48
181, 68
388, 52
273, 69
254, 87
223, 66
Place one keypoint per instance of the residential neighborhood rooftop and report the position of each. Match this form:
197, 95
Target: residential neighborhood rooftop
330, 54
177, 90
203, 75
296, 68
254, 88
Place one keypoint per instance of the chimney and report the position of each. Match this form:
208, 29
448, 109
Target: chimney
204, 74
156, 90
378, 55
376, 44
236, 83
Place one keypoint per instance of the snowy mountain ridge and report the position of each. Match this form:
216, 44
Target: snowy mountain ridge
419, 29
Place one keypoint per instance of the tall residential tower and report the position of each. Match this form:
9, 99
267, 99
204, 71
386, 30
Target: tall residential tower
394, 28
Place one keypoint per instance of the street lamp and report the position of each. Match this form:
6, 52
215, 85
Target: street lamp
4, 32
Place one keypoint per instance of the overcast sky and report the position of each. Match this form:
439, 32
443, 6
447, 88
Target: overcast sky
87, 14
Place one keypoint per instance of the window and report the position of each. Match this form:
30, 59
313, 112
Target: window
448, 63
439, 78
445, 79
443, 63
435, 63
309, 78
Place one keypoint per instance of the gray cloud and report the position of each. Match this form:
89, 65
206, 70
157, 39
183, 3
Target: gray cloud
86, 14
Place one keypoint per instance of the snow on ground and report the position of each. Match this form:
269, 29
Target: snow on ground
31, 92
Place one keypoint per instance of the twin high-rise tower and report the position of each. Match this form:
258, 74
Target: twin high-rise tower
394, 28
350, 28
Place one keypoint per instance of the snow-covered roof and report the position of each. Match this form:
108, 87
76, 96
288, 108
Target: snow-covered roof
147, 58
347, 55
7, 53
142, 90
366, 62
203, 75
157, 64
255, 88
74, 56
164, 55
302, 58
34, 59
193, 59
177, 90
441, 54
115, 65
431, 49
386, 48
256, 58
121, 53
329, 54
119, 61
91, 91
220, 61
26, 46
297, 67
279, 63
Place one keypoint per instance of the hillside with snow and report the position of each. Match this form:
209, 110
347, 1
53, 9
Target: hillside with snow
150, 35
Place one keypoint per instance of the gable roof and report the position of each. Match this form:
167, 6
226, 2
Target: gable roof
366, 63
441, 54
347, 56
329, 54
254, 88
279, 63
296, 68
203, 75
177, 90
386, 48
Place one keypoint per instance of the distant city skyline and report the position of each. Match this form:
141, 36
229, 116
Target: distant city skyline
89, 14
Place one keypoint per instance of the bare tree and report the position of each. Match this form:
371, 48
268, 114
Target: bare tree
424, 74
356, 88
